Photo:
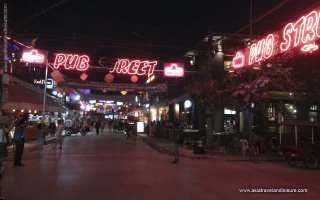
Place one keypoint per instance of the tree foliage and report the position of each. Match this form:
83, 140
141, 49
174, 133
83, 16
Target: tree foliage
250, 85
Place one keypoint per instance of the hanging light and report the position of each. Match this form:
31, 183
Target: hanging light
123, 92
134, 78
109, 78
84, 76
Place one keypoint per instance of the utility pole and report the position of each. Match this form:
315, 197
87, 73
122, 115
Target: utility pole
4, 66
4, 69
208, 78
215, 110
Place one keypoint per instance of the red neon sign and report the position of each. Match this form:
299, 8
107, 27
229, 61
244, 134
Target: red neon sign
310, 48
302, 33
71, 61
34, 56
173, 69
238, 60
261, 50
137, 67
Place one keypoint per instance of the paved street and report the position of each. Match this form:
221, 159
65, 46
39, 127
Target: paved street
106, 166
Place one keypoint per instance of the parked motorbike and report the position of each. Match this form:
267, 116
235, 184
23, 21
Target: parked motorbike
306, 153
75, 130
279, 152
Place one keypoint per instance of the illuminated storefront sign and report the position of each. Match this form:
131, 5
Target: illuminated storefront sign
173, 69
134, 67
34, 56
71, 61
301, 34
42, 81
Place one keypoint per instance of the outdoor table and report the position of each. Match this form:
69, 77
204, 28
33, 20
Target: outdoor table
189, 133
219, 134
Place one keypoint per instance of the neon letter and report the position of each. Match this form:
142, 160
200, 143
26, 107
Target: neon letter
311, 25
151, 69
269, 46
71, 61
83, 63
60, 59
133, 67
284, 46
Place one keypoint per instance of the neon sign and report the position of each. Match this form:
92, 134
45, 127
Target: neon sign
173, 69
310, 48
297, 35
261, 50
238, 60
34, 56
42, 82
71, 61
302, 32
134, 67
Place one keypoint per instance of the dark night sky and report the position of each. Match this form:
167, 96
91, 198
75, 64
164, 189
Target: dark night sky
163, 29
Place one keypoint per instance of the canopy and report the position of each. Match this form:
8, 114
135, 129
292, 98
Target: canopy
299, 123
24, 97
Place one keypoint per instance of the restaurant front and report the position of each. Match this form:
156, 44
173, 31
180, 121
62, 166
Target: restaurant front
295, 48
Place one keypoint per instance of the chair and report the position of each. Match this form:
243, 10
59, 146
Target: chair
244, 146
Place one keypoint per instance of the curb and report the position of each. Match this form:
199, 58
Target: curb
34, 145
161, 149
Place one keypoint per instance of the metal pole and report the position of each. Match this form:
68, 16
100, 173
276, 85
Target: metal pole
250, 20
296, 134
5, 70
42, 135
44, 92
312, 135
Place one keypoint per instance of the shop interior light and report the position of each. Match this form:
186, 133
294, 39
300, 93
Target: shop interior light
187, 104
77, 97
14, 110
22, 110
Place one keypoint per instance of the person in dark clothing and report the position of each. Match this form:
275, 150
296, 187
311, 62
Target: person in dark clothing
97, 126
19, 142
176, 141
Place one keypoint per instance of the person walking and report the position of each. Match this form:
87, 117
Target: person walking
3, 143
103, 123
19, 142
176, 141
40, 137
58, 134
97, 126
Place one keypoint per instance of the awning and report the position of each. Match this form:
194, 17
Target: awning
299, 123
24, 97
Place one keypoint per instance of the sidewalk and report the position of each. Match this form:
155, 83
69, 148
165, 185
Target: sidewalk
166, 146
32, 145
